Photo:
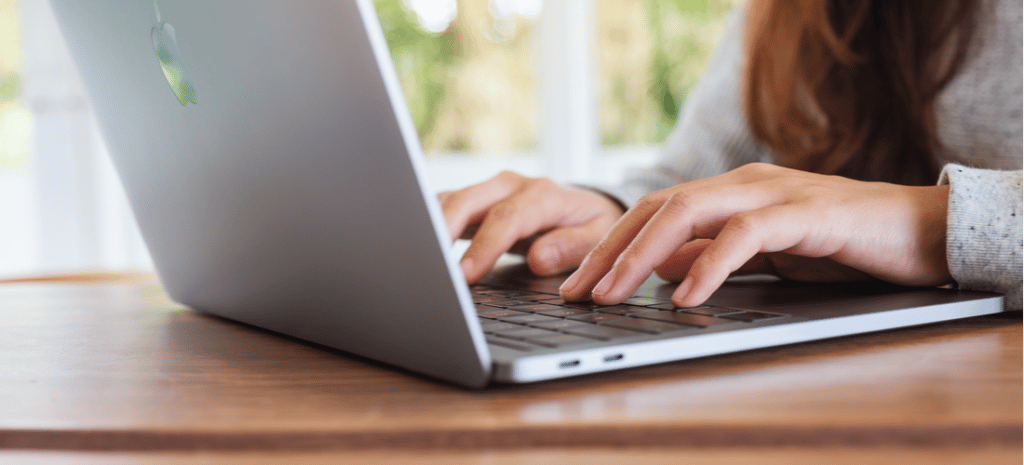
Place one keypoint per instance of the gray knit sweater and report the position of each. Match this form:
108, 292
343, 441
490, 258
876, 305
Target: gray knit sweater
979, 116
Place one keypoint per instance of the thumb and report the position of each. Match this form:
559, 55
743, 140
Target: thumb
563, 249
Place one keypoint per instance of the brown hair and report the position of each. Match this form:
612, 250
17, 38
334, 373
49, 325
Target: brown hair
849, 87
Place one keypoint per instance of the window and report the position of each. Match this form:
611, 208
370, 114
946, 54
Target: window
18, 234
652, 52
572, 89
63, 207
468, 72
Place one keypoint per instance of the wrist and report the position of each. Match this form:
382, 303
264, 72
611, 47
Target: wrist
933, 208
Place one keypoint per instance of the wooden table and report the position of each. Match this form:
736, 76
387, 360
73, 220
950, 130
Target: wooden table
113, 372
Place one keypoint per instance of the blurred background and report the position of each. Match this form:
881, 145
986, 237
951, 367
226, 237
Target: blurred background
577, 90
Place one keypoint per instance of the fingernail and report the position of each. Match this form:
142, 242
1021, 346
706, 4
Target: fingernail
467, 266
683, 291
570, 283
605, 285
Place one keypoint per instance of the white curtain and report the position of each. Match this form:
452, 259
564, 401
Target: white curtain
82, 219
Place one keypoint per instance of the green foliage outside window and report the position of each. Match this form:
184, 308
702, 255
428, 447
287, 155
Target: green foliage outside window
470, 91
469, 88
15, 119
652, 54
10, 51
10, 87
685, 34
421, 59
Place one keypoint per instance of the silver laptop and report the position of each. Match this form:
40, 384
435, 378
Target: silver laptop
278, 180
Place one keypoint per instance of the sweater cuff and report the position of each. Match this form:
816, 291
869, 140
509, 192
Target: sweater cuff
983, 231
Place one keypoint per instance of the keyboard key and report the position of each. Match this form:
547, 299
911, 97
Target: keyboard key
511, 344
596, 317
646, 326
642, 301
534, 307
560, 340
525, 318
709, 310
524, 333
481, 298
556, 300
600, 332
623, 309
538, 297
498, 327
682, 318
664, 306
504, 291
585, 304
497, 313
508, 303
752, 316
557, 325
564, 312
519, 294
671, 306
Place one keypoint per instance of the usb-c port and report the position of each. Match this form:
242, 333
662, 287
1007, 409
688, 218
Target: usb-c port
613, 358
569, 364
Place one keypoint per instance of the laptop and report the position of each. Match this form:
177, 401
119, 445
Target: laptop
277, 178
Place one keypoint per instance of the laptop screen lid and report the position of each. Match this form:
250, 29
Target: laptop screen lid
276, 176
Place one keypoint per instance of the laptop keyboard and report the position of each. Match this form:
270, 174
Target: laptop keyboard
527, 320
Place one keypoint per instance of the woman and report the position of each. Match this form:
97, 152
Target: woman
811, 149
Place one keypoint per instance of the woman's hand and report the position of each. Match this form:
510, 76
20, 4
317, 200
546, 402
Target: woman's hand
510, 207
766, 218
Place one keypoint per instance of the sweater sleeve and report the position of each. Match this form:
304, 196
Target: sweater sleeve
983, 232
711, 135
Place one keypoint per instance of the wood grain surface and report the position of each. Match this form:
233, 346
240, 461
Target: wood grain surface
745, 456
117, 368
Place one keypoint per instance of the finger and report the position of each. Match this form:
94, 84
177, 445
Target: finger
685, 215
469, 205
599, 260
772, 229
565, 248
515, 218
678, 265
573, 216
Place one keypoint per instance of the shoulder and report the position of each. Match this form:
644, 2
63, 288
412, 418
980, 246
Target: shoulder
979, 112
